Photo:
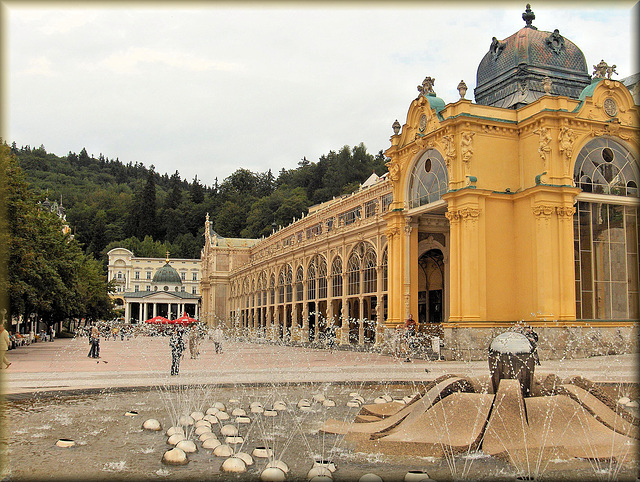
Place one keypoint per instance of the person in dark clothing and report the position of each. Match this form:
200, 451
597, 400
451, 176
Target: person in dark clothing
177, 347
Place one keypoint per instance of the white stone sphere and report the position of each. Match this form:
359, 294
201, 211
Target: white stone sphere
387, 398
380, 400
370, 478
354, 394
262, 452
185, 421
304, 403
234, 400
319, 397
65, 443
229, 430
223, 450
279, 464
131, 413
632, 404
328, 403
359, 399
220, 406
202, 423
270, 413
188, 446
173, 430
212, 411
234, 464
248, 459
273, 474
257, 409
175, 438
242, 420
624, 400
279, 405
353, 404
202, 429
238, 412
197, 415
321, 478
211, 443
222, 416
415, 476
152, 424
207, 436
317, 470
175, 456
255, 404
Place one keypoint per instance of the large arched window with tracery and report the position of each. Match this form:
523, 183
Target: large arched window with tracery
353, 271
281, 286
288, 281
299, 285
322, 277
429, 179
369, 274
606, 231
311, 279
272, 288
336, 277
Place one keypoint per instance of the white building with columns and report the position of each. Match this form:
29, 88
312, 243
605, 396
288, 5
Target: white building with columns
148, 287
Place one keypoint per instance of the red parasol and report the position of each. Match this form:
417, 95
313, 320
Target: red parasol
184, 320
158, 320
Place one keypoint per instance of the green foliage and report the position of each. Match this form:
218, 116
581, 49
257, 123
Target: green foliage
110, 203
47, 272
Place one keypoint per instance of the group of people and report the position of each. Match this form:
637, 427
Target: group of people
405, 339
177, 344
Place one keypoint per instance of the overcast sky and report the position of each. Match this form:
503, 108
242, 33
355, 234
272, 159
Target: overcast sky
208, 88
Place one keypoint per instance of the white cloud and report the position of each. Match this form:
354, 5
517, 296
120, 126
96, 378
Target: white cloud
39, 66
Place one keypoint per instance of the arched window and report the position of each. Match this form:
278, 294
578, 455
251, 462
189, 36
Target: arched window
322, 277
353, 271
336, 277
369, 275
428, 180
288, 281
299, 285
606, 232
272, 289
311, 279
281, 286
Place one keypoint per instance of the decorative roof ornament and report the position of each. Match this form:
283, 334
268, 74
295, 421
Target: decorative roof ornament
496, 47
528, 16
396, 127
546, 84
167, 260
604, 70
555, 42
462, 89
427, 86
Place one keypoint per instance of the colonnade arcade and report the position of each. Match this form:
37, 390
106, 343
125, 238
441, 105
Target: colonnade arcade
326, 297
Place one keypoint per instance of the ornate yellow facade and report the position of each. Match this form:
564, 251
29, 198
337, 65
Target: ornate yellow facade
523, 208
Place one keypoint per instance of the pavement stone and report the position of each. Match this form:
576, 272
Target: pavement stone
63, 365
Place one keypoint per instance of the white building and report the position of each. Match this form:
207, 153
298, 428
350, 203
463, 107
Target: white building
147, 287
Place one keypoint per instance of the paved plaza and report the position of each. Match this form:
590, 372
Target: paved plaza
63, 365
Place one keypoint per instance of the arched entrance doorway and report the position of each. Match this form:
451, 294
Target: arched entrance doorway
431, 290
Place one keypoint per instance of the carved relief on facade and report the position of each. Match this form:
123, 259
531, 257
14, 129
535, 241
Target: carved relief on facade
394, 170
565, 213
392, 232
453, 216
543, 212
466, 149
462, 214
449, 150
544, 148
610, 129
566, 140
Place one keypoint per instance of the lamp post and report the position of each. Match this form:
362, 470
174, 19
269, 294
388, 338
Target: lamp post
32, 318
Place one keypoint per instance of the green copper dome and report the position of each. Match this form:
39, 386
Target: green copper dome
167, 274
511, 74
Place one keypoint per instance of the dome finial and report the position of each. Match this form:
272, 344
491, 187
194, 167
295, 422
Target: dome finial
167, 256
528, 16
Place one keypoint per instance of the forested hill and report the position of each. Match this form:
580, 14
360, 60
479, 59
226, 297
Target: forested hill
109, 203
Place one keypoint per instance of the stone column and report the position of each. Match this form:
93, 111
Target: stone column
344, 332
361, 318
127, 312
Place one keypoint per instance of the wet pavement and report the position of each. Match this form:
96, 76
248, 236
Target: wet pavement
63, 365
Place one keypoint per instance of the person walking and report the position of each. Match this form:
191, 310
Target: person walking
94, 341
51, 333
4, 346
177, 347
194, 342
410, 335
218, 338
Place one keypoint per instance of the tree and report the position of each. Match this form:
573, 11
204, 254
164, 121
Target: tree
196, 191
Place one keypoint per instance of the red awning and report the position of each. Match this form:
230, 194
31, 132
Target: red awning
184, 320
